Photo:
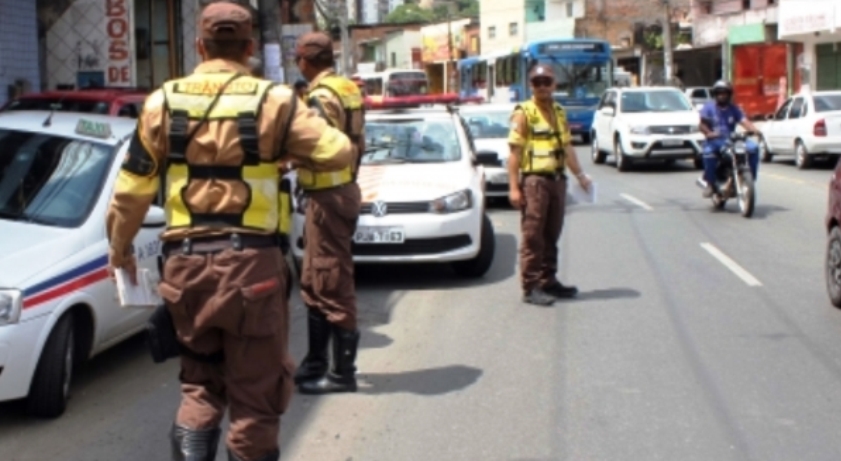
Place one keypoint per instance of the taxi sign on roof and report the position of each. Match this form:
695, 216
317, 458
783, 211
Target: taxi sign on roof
93, 129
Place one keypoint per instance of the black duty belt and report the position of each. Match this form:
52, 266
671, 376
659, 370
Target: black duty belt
552, 176
216, 244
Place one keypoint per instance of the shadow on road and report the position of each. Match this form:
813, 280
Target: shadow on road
606, 294
432, 381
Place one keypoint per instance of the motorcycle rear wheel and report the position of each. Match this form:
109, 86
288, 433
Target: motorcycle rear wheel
746, 195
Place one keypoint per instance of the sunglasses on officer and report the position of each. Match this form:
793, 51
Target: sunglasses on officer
538, 82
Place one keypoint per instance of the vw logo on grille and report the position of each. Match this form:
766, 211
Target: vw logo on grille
671, 129
379, 209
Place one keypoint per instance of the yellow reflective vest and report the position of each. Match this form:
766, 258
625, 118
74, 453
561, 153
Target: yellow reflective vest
254, 183
352, 102
543, 151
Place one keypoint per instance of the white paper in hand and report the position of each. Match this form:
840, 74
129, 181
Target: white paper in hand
579, 195
144, 294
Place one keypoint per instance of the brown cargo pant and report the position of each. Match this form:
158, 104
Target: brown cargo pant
327, 274
542, 219
236, 302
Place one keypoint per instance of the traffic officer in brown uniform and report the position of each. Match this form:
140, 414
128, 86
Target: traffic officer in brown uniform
333, 203
212, 140
541, 151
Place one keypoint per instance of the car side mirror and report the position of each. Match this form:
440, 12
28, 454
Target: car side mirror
487, 158
769, 116
155, 217
609, 111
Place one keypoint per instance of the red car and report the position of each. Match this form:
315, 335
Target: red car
833, 246
121, 102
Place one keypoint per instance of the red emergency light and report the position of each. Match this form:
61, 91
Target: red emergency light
408, 102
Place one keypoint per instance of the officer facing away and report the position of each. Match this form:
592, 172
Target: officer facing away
333, 203
213, 140
541, 149
719, 118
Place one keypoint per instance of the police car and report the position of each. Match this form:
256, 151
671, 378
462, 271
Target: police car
58, 306
423, 196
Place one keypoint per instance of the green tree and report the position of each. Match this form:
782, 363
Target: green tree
409, 13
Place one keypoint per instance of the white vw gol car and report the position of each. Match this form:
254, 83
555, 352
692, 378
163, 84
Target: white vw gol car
422, 193
57, 304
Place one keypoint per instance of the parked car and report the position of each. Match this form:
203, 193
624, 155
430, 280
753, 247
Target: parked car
698, 95
646, 123
807, 126
832, 263
423, 197
119, 102
489, 126
57, 305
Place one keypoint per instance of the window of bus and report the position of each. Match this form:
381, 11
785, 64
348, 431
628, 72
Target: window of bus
580, 80
407, 84
374, 86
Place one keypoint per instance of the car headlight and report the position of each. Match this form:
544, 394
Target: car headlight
639, 130
10, 306
461, 200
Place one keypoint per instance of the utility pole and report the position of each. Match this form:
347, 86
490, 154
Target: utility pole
344, 14
449, 48
667, 44
269, 20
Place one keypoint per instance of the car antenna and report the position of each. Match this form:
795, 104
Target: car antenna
49, 120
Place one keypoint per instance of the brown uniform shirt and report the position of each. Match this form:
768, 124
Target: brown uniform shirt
333, 108
216, 142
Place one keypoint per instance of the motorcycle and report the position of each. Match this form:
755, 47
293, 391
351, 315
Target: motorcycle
734, 179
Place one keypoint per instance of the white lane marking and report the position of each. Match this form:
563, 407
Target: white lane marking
784, 178
732, 265
637, 202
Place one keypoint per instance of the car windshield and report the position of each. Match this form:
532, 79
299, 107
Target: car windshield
828, 103
654, 101
576, 80
489, 124
49, 179
411, 141
60, 104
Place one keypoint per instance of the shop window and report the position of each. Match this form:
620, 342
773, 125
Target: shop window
491, 31
512, 29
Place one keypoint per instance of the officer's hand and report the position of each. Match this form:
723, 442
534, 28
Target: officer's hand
585, 182
711, 135
129, 266
515, 197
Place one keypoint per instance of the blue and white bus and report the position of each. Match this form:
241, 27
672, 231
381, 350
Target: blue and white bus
583, 70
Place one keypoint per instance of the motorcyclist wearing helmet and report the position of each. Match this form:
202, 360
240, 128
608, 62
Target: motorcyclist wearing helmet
719, 118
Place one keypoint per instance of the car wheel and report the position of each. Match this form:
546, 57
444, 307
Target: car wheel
50, 388
764, 153
596, 153
833, 266
801, 156
479, 265
623, 163
585, 138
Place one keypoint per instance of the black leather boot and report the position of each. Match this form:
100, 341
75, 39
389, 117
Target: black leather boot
342, 378
194, 445
315, 364
274, 456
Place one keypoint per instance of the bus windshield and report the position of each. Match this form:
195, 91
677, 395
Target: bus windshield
407, 84
580, 80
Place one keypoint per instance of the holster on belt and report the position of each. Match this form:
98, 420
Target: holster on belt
163, 342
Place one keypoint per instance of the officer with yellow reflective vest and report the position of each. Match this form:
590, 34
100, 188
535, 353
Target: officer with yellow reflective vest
333, 204
213, 140
541, 150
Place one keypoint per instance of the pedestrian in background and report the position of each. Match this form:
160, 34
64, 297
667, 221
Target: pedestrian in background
333, 204
541, 150
213, 140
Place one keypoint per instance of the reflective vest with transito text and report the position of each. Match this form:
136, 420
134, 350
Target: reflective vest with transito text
351, 98
543, 151
253, 184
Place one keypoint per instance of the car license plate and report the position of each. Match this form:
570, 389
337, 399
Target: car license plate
379, 235
672, 142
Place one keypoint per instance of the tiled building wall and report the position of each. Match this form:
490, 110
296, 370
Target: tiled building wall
18, 46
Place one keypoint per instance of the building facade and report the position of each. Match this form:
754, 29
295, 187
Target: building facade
502, 25
19, 65
816, 25
402, 48
440, 52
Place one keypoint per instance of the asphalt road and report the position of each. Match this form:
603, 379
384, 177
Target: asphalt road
698, 335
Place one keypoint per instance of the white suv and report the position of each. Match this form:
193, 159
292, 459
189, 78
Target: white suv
646, 123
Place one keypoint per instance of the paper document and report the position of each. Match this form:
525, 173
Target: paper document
144, 294
577, 194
